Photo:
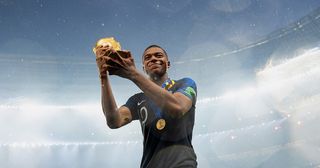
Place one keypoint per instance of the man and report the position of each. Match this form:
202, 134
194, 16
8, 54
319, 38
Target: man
165, 107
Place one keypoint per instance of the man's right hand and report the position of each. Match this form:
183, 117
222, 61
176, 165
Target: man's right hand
101, 54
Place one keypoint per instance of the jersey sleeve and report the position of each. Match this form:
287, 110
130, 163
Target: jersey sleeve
189, 88
132, 105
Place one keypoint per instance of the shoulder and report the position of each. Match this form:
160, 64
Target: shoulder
141, 94
187, 86
187, 80
137, 96
133, 100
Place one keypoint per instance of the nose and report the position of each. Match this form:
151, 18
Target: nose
153, 59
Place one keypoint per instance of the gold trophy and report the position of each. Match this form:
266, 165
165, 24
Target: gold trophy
112, 49
107, 42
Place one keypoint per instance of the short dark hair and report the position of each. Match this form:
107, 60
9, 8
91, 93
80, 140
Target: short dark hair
154, 45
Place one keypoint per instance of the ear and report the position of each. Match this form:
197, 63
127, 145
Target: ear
168, 64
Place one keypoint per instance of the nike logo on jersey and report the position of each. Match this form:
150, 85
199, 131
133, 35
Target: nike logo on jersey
139, 103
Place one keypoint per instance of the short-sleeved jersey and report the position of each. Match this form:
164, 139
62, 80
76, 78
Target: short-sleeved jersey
170, 146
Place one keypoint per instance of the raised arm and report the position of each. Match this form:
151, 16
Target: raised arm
115, 117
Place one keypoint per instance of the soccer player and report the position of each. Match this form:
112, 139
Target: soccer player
165, 107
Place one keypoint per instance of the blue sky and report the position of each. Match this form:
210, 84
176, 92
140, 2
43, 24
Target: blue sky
64, 32
256, 67
70, 28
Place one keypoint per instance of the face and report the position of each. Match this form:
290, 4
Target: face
155, 62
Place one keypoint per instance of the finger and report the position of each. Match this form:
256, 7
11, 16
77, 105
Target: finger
110, 67
99, 58
104, 66
124, 54
103, 47
99, 52
111, 53
113, 70
108, 52
127, 57
102, 51
114, 62
100, 61
105, 58
116, 57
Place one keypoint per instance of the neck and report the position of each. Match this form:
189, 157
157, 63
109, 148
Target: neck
159, 80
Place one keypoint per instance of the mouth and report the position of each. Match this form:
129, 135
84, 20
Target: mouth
155, 64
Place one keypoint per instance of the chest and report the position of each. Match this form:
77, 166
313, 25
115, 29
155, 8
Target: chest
157, 123
149, 113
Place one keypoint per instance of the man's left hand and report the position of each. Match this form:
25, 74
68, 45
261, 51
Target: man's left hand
121, 63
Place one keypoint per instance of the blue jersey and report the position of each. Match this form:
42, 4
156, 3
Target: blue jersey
171, 145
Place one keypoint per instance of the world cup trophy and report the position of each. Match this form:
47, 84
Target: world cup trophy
111, 48
108, 43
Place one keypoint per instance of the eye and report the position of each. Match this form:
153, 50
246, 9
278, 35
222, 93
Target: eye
158, 55
147, 57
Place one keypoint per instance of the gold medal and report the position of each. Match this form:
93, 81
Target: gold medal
161, 123
108, 42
